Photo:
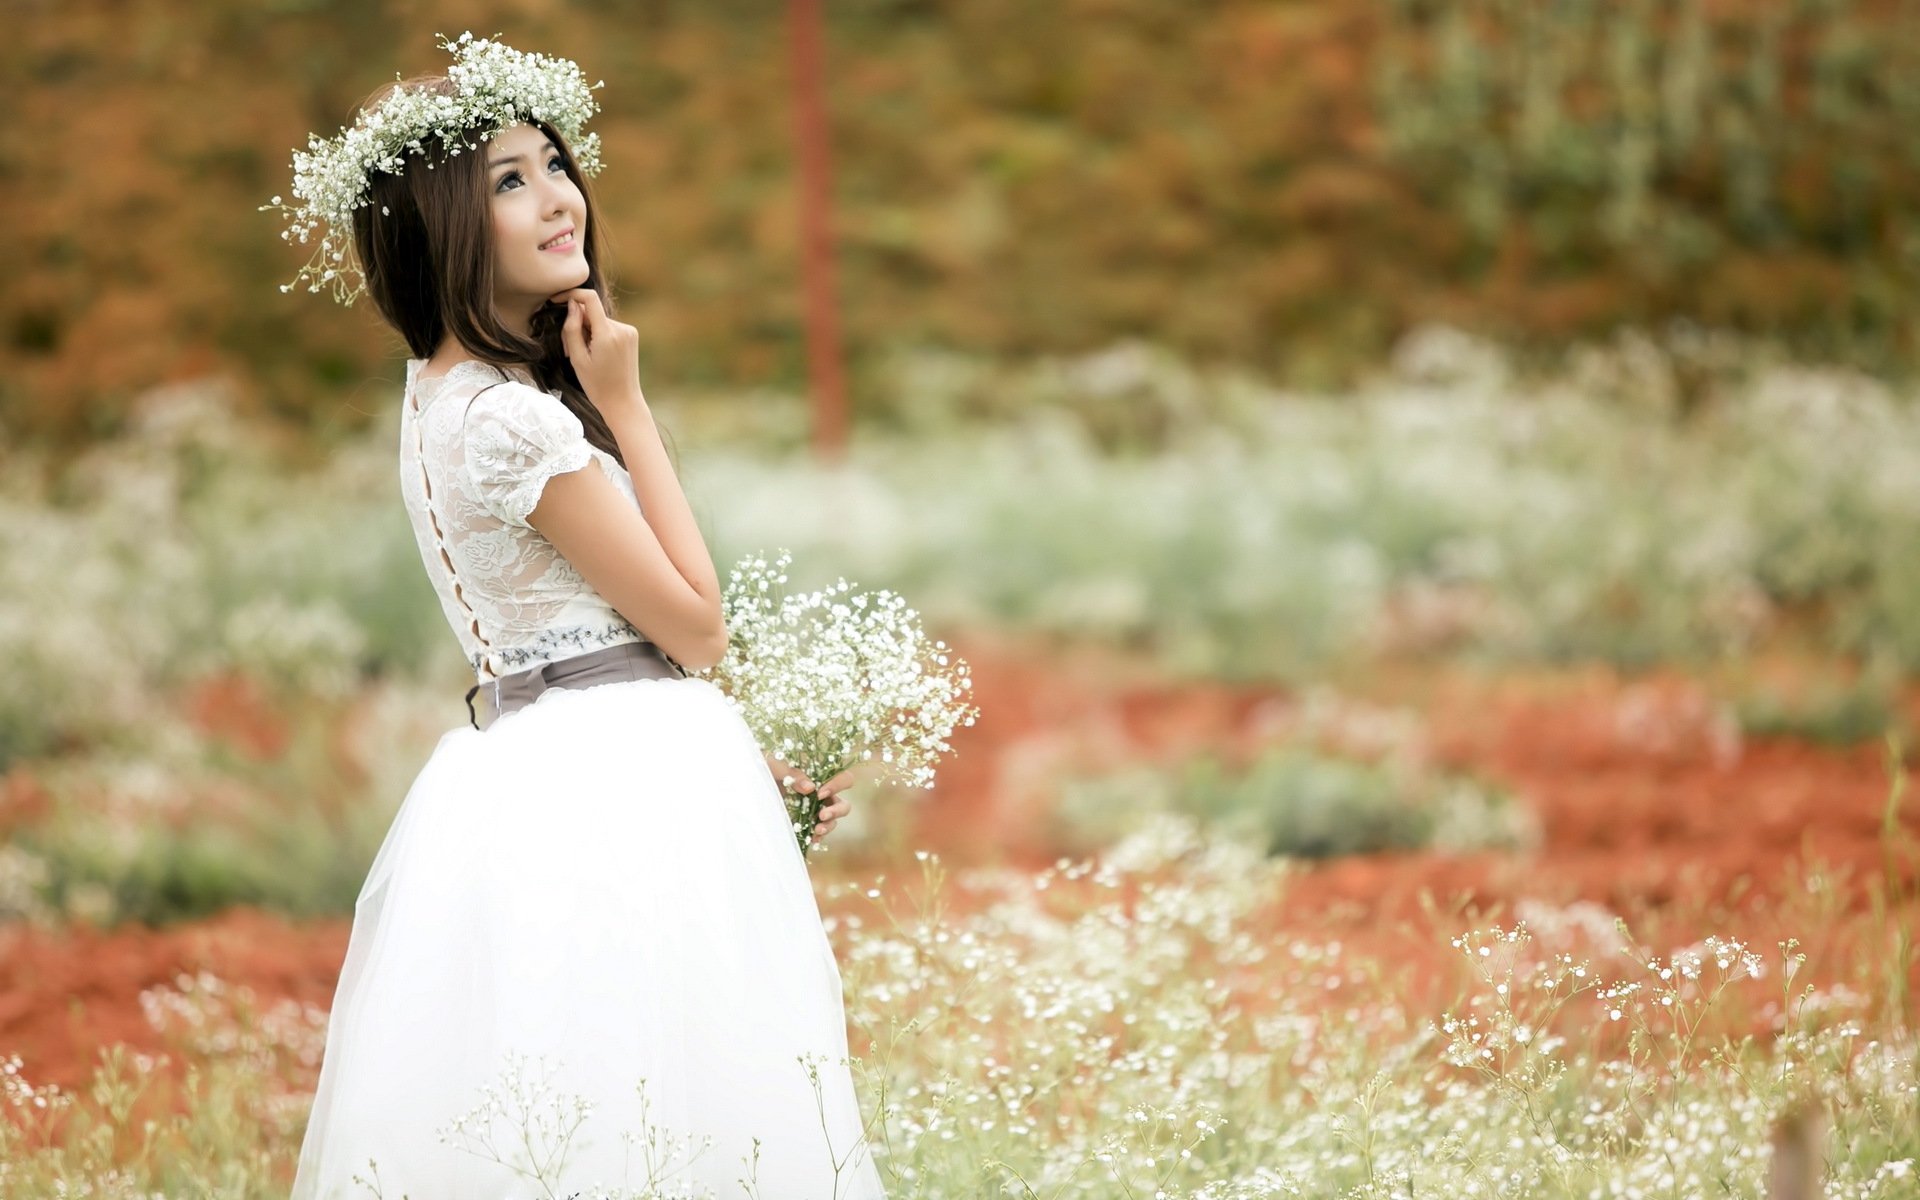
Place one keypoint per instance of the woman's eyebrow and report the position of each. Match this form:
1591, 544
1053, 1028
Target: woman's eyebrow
513, 158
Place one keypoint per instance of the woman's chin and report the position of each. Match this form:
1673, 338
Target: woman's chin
555, 283
558, 277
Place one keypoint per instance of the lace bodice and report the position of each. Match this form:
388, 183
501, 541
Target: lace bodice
477, 445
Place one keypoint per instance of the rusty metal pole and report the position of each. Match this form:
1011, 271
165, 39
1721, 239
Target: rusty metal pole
825, 374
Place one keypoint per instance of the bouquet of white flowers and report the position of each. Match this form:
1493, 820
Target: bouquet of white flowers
827, 680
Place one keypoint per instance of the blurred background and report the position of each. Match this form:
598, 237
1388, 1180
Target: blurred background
1286, 188
1466, 444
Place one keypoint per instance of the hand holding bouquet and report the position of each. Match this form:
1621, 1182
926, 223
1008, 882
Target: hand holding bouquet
828, 681
833, 801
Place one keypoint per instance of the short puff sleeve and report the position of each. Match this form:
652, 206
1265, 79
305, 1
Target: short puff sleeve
517, 438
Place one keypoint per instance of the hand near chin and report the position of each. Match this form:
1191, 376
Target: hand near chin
605, 353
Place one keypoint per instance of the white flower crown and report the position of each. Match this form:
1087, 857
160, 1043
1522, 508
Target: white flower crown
494, 86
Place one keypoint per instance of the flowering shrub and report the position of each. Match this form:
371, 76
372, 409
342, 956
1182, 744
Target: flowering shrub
1132, 1023
1446, 508
1294, 800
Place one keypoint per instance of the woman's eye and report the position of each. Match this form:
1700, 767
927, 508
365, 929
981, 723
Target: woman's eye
556, 160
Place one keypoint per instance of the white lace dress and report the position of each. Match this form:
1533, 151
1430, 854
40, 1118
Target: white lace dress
587, 960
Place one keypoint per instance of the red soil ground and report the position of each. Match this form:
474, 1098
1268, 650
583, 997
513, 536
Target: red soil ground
1651, 804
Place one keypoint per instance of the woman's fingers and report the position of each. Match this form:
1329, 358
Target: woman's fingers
834, 803
592, 317
573, 334
596, 312
593, 314
830, 815
605, 354
788, 776
582, 294
834, 790
584, 312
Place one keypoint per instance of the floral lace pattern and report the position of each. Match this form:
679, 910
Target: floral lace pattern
514, 444
477, 447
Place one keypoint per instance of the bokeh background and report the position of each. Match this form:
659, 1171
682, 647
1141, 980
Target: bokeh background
1285, 187
1387, 463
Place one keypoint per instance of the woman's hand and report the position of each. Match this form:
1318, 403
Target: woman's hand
605, 353
834, 803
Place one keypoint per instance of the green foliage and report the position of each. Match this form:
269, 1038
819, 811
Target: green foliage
1309, 805
1745, 165
1836, 714
1452, 506
1297, 801
295, 862
173, 824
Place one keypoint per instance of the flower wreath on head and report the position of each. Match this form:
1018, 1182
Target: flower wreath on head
493, 86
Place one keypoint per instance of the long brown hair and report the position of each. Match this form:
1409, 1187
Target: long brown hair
425, 245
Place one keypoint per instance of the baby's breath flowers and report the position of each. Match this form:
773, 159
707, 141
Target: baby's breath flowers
491, 86
828, 680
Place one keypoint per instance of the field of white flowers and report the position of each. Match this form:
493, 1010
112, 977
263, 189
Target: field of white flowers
1149, 1018
1456, 507
1453, 506
1135, 1024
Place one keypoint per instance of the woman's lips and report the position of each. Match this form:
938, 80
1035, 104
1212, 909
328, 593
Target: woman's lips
564, 246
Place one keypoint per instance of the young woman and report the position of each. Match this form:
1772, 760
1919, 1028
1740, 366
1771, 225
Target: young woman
587, 959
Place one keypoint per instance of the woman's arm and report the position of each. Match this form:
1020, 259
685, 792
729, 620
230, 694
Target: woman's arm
652, 565
662, 501
624, 558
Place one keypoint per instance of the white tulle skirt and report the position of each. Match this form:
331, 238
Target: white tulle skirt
589, 948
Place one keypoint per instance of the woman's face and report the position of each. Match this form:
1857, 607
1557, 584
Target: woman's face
533, 200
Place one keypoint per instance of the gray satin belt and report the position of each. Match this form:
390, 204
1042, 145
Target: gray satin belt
609, 664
